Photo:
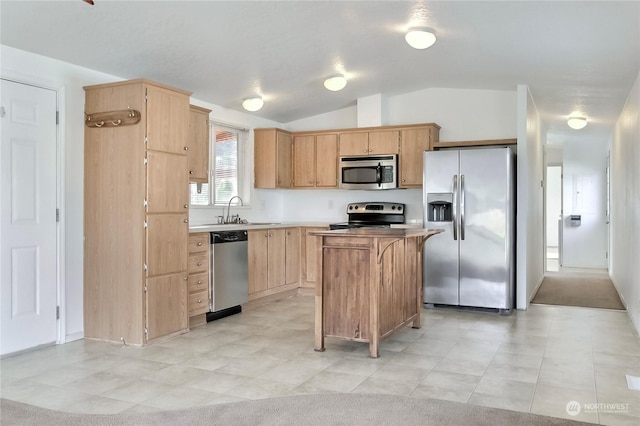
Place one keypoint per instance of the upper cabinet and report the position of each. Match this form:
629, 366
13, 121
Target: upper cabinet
369, 143
198, 144
310, 159
413, 142
315, 161
272, 158
167, 120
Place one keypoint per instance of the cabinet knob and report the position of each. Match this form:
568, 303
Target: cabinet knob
199, 281
403, 180
186, 206
199, 300
186, 221
186, 148
199, 243
191, 172
186, 278
199, 263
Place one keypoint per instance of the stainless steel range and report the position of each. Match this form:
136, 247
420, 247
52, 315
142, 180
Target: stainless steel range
372, 214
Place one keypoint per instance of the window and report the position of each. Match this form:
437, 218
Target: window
227, 168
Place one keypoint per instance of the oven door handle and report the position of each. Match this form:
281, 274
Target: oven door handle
379, 175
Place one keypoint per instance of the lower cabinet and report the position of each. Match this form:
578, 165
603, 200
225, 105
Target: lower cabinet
273, 261
166, 305
198, 300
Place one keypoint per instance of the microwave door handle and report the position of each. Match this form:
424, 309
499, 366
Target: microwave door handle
379, 175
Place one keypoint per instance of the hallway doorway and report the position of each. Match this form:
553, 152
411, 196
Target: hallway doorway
553, 203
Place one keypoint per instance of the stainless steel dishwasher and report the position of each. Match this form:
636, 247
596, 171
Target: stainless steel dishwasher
229, 273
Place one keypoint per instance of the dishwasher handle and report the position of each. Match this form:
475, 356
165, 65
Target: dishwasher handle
221, 237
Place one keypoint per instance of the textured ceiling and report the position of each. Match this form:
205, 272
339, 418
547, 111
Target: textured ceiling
573, 55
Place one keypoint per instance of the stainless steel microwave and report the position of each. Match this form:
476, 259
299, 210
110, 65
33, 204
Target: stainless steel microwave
369, 172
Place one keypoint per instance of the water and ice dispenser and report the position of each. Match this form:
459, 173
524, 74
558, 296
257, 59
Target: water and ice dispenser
440, 207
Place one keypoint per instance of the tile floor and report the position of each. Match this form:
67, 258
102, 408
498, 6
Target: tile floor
535, 361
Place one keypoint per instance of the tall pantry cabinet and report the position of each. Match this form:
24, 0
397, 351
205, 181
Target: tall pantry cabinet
136, 213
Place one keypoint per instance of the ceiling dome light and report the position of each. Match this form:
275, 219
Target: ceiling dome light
252, 104
335, 82
577, 122
420, 38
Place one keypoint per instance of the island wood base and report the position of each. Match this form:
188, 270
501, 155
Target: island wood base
369, 283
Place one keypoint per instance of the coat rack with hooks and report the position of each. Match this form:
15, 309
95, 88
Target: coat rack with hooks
125, 117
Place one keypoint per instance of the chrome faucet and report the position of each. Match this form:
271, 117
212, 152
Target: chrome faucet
229, 207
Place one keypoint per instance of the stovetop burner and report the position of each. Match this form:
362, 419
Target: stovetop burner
372, 214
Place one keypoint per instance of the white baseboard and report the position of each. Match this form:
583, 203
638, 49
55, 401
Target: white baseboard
73, 337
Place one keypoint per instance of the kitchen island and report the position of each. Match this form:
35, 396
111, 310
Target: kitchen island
369, 283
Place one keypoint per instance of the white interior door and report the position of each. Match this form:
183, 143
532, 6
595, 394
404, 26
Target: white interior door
28, 228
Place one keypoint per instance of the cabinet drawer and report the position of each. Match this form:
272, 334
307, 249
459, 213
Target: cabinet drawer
198, 263
198, 303
198, 242
198, 282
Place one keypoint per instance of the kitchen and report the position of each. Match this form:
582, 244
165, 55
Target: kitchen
463, 114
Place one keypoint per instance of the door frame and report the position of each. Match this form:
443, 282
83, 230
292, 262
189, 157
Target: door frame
59, 89
546, 224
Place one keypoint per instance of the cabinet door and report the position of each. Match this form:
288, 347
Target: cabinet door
264, 158
326, 161
304, 161
354, 143
167, 243
166, 305
276, 257
198, 144
413, 143
167, 120
292, 255
258, 261
391, 286
384, 142
283, 166
346, 295
167, 182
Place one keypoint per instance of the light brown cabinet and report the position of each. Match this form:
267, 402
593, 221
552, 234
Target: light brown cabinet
308, 266
273, 261
136, 214
198, 144
272, 158
198, 268
369, 143
413, 143
369, 283
315, 161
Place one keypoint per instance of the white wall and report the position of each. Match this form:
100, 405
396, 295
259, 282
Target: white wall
625, 205
585, 194
530, 250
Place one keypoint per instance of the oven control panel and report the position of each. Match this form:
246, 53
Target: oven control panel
376, 208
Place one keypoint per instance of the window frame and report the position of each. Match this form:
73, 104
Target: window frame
242, 168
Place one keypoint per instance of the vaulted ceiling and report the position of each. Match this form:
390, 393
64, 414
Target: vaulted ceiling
574, 55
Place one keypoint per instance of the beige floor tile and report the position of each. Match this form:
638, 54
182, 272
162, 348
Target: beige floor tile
181, 397
257, 388
510, 372
506, 388
96, 404
510, 359
337, 382
138, 391
431, 346
21, 389
236, 349
360, 367
464, 383
175, 375
305, 389
428, 391
426, 362
98, 383
384, 386
142, 409
249, 367
55, 398
63, 375
295, 372
216, 382
405, 374
504, 402
207, 361
463, 366
554, 401
567, 373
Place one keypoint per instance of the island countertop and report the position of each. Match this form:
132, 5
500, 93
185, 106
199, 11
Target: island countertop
370, 232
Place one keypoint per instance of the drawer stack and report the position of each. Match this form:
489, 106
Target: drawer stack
198, 274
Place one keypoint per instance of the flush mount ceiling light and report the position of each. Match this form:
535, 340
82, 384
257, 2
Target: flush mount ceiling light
252, 104
420, 38
335, 82
577, 122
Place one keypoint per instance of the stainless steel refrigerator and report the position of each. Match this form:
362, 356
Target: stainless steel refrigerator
470, 193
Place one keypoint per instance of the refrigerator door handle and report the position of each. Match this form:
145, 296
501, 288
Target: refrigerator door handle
455, 205
462, 197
